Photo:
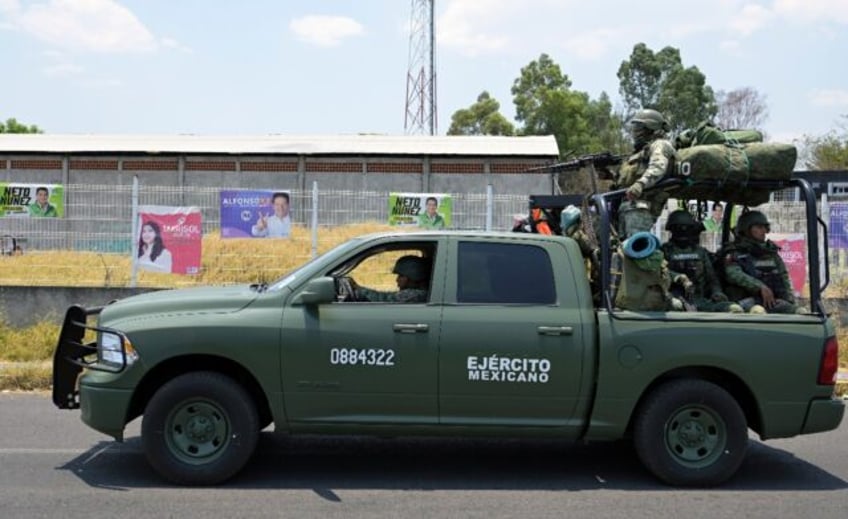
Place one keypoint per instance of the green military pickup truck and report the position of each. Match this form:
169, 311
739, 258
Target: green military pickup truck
507, 343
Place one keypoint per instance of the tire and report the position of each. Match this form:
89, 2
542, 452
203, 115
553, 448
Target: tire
690, 433
199, 429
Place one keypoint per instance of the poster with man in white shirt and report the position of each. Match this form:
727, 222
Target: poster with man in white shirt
276, 223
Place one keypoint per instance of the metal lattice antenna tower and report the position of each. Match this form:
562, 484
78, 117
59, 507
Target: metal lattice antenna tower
420, 116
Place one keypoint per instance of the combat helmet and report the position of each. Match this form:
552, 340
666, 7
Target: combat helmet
682, 221
650, 119
749, 219
413, 267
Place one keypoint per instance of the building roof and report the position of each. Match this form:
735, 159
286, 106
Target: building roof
535, 146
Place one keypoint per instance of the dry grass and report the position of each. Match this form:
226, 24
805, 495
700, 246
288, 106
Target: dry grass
25, 356
223, 261
25, 352
26, 376
35, 343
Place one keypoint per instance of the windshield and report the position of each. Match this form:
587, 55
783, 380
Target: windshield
288, 278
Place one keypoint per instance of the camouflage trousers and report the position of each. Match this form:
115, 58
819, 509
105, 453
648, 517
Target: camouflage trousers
708, 305
634, 217
781, 306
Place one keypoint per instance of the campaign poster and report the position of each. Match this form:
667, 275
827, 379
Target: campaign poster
169, 239
793, 251
838, 232
19, 200
423, 210
255, 213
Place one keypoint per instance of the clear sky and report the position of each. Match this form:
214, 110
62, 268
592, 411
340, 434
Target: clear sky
339, 67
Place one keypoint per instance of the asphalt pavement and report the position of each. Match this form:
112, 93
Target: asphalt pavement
52, 465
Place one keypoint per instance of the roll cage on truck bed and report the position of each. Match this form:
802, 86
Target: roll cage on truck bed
602, 207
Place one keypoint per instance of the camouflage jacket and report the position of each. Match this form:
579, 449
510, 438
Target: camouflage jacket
695, 262
648, 166
749, 265
407, 295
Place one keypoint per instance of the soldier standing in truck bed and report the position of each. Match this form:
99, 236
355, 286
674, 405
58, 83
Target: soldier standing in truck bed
652, 158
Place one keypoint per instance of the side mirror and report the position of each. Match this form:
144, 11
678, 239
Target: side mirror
317, 291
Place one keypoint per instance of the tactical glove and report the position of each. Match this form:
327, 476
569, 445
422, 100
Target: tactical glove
635, 191
719, 297
687, 285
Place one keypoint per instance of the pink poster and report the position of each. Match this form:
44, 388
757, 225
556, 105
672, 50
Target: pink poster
169, 239
793, 250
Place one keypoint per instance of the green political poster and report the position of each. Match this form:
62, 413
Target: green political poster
18, 200
424, 210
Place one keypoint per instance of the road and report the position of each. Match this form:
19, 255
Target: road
51, 465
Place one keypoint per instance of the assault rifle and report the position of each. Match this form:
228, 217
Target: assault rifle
597, 164
600, 161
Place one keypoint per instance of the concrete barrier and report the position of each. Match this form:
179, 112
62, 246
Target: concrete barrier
24, 306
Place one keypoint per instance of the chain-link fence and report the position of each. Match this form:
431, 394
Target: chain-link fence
92, 244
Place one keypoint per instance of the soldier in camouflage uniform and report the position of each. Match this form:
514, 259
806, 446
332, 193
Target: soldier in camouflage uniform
755, 273
413, 273
692, 274
652, 159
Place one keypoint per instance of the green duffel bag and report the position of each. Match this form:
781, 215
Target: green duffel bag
644, 283
708, 133
728, 168
743, 136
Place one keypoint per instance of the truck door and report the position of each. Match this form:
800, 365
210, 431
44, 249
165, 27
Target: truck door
364, 362
511, 349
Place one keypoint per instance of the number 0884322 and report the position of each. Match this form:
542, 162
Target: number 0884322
362, 356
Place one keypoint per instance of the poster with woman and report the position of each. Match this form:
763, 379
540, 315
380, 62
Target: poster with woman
793, 252
169, 239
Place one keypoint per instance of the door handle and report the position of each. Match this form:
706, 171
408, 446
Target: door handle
555, 330
410, 328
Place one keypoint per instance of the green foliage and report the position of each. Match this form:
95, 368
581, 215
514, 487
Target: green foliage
660, 81
481, 118
546, 105
827, 152
13, 126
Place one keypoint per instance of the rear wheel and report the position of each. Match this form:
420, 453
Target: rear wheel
690, 433
199, 429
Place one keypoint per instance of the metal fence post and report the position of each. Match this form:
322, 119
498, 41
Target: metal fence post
824, 254
134, 230
314, 219
490, 206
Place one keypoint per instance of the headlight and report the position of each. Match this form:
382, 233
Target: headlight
113, 348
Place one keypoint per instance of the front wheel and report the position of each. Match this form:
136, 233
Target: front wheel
690, 433
199, 429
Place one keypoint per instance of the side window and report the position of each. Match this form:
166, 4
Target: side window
384, 275
504, 274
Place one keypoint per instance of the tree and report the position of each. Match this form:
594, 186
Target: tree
827, 152
741, 108
481, 118
546, 105
660, 81
608, 126
13, 126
